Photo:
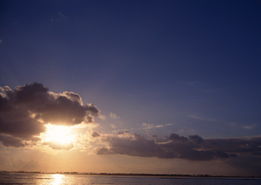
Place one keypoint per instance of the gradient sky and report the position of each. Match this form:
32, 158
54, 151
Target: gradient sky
185, 67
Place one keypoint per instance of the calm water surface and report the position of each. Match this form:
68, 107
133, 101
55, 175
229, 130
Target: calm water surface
60, 179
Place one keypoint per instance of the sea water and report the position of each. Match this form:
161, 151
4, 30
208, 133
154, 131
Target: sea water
68, 179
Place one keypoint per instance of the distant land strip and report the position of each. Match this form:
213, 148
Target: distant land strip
140, 174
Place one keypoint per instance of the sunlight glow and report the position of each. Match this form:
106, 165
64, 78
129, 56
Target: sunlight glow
59, 134
57, 179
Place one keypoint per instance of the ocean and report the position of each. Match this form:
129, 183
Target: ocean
68, 179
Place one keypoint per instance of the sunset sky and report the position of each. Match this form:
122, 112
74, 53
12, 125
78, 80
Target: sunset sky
131, 86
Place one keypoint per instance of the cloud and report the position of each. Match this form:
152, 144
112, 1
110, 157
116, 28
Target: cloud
59, 146
25, 109
59, 17
176, 146
95, 134
249, 127
113, 115
10, 141
148, 126
201, 118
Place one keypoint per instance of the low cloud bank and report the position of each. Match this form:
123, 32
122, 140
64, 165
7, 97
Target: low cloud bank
176, 146
25, 109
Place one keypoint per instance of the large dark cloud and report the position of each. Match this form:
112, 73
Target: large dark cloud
25, 109
175, 146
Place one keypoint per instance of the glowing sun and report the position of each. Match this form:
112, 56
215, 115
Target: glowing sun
59, 135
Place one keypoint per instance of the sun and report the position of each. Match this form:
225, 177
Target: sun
59, 135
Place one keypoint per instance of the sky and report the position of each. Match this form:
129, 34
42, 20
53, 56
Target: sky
147, 86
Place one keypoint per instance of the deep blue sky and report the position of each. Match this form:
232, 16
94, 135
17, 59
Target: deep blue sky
193, 64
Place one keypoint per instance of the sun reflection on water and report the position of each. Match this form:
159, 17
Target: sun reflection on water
58, 179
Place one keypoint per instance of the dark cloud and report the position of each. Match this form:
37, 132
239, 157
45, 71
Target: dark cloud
10, 141
59, 146
24, 110
95, 134
175, 146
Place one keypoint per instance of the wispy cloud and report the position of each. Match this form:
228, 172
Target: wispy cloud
233, 124
114, 115
148, 126
202, 118
249, 127
58, 17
